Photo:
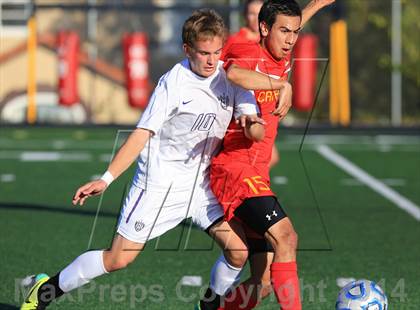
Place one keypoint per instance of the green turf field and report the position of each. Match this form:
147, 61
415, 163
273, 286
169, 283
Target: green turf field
346, 228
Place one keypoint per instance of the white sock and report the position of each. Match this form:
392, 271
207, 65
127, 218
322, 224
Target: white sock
223, 276
82, 270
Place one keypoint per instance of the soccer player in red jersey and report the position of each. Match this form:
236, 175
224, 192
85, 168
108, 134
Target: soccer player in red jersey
249, 34
240, 173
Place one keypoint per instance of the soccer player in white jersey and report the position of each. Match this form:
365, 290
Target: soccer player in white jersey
178, 133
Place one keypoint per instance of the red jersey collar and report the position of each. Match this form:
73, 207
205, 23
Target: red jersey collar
267, 53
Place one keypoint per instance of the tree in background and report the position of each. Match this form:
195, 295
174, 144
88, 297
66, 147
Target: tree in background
370, 58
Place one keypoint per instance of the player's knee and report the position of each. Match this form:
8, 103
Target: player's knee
286, 240
293, 240
236, 258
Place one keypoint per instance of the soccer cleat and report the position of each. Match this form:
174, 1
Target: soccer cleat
31, 301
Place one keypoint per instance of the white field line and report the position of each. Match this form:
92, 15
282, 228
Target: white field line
54, 156
376, 185
387, 140
95, 177
389, 182
280, 180
289, 146
7, 177
105, 157
55, 144
192, 281
36, 156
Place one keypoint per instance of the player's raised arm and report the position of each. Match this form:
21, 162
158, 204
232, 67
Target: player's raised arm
124, 158
252, 80
285, 101
312, 8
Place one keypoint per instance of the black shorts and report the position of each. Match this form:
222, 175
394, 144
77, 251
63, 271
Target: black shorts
255, 245
260, 213
260, 245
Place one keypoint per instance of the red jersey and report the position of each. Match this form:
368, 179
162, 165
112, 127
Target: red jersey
241, 169
240, 37
236, 146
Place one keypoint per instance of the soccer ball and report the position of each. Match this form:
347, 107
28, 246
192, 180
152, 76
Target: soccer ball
361, 295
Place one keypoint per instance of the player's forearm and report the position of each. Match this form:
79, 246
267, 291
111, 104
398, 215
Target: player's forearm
255, 132
129, 151
252, 80
312, 8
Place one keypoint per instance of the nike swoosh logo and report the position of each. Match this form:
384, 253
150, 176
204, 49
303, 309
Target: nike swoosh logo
186, 102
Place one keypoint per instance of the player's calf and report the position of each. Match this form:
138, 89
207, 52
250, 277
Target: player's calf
266, 217
114, 262
236, 258
284, 240
122, 253
231, 238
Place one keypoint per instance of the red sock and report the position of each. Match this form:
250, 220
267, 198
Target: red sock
240, 298
286, 285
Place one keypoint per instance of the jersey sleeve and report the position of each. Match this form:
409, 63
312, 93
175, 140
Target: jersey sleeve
226, 48
245, 102
242, 54
160, 106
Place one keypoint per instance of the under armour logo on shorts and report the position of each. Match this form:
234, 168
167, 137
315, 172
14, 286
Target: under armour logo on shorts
268, 216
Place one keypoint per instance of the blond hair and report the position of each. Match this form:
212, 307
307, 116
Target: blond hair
203, 24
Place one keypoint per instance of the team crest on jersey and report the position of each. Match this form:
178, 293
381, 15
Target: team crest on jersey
224, 100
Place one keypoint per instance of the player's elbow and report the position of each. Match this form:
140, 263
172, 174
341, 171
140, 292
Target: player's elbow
259, 135
233, 75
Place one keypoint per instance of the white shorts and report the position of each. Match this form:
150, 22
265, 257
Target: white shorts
148, 214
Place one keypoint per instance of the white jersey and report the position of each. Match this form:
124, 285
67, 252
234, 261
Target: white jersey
189, 116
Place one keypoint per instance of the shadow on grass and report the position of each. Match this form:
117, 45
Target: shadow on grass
8, 307
64, 210
75, 210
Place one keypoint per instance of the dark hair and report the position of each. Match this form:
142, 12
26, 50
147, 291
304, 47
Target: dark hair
272, 8
203, 24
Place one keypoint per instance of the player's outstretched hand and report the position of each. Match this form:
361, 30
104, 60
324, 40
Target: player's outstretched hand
250, 119
285, 101
89, 189
324, 3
